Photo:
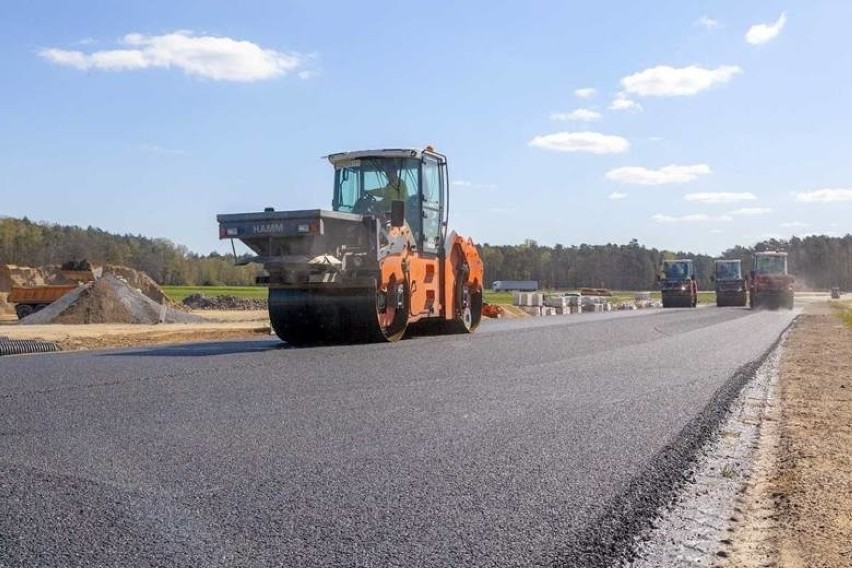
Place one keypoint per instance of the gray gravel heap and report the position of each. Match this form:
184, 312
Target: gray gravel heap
108, 300
202, 302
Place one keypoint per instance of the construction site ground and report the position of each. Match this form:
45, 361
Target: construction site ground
220, 325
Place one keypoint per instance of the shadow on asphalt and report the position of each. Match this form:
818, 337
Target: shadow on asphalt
203, 349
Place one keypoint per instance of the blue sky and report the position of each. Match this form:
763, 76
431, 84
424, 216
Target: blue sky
687, 125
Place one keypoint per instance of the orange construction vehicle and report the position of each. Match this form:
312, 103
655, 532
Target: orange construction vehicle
380, 261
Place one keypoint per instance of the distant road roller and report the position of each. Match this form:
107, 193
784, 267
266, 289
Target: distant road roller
377, 263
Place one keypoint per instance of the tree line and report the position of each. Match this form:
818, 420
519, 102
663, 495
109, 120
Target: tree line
25, 243
820, 262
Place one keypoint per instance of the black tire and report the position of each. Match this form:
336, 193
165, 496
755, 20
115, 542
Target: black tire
23, 310
40, 307
471, 316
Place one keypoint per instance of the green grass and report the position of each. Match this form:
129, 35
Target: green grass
178, 293
498, 297
844, 309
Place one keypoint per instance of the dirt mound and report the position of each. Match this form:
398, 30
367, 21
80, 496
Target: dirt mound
11, 275
139, 280
202, 302
107, 300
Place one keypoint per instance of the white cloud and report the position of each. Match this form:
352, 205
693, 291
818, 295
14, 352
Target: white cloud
218, 58
824, 196
581, 114
592, 142
462, 183
751, 211
762, 33
795, 225
617, 195
621, 102
694, 218
719, 197
707, 23
585, 93
665, 175
666, 81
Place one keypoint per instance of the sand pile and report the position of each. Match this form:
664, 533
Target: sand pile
202, 302
107, 300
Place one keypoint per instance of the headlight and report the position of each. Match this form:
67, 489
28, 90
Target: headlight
683, 288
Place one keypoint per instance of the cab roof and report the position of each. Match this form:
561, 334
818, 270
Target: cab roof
410, 153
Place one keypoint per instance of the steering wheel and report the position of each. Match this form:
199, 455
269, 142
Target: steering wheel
367, 204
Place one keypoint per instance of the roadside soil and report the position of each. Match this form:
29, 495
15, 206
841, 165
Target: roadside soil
219, 325
796, 510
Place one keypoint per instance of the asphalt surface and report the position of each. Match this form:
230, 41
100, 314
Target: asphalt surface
533, 442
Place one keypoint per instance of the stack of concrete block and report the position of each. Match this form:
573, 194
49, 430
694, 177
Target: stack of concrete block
593, 304
531, 310
528, 299
545, 311
555, 301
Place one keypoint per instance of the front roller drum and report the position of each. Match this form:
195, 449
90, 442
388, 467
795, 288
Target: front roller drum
334, 315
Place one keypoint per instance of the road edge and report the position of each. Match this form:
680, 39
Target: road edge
610, 539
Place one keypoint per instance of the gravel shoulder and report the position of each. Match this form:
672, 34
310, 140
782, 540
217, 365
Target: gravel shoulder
774, 486
798, 505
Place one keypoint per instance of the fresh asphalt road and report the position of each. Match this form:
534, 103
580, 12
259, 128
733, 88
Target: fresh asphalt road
514, 446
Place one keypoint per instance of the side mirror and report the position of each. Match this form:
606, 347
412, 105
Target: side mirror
397, 213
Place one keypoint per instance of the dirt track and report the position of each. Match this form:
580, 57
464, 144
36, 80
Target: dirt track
221, 325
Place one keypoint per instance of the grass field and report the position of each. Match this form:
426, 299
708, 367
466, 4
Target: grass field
178, 293
844, 307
